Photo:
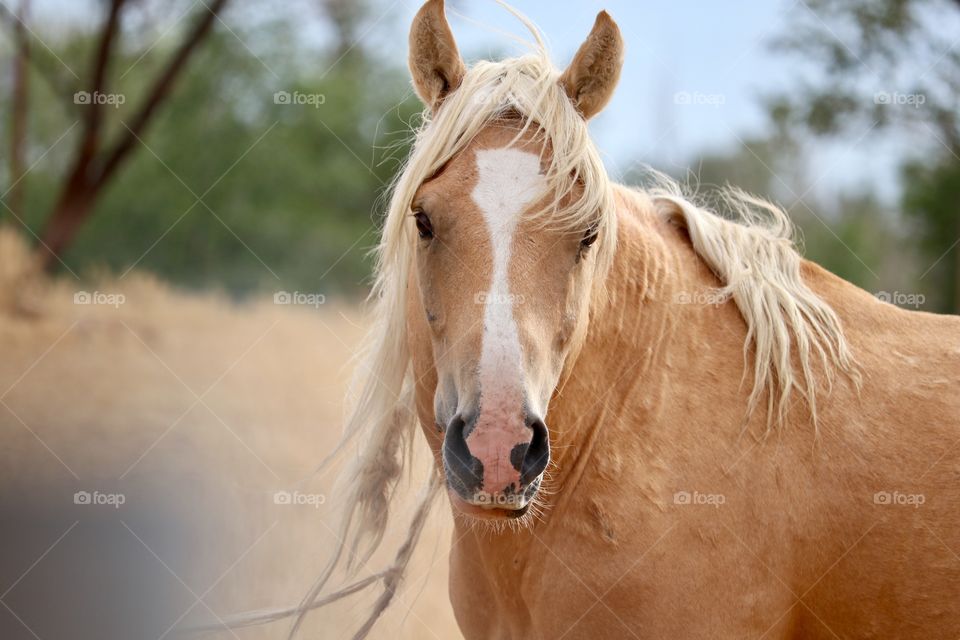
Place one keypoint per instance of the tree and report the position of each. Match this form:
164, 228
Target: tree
94, 163
889, 64
233, 188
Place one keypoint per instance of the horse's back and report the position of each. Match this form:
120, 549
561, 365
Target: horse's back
892, 506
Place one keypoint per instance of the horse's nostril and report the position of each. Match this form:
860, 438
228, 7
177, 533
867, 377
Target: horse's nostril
537, 455
462, 467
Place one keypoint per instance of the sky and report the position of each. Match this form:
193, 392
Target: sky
685, 48
717, 54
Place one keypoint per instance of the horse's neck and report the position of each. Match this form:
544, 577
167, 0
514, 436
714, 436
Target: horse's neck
625, 378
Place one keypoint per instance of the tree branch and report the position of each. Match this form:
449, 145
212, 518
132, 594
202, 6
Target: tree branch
93, 123
158, 92
92, 167
62, 86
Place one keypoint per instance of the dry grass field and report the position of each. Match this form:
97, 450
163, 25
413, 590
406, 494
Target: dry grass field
195, 411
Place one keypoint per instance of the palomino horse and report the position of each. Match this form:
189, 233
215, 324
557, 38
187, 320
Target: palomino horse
650, 421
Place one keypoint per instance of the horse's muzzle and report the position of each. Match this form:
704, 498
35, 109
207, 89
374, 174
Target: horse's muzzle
496, 466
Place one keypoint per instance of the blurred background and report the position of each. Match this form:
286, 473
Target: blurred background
189, 190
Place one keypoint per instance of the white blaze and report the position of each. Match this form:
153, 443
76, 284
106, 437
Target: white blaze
509, 181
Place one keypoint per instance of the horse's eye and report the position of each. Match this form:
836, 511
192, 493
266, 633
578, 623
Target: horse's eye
424, 228
589, 237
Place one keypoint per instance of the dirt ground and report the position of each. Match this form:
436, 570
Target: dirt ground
146, 434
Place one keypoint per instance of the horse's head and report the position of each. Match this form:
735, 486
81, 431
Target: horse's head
507, 230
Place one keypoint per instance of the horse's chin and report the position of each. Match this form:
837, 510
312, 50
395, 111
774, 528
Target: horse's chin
485, 512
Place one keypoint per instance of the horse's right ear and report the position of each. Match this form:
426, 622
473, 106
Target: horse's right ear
434, 61
590, 79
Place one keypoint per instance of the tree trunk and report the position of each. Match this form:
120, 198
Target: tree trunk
73, 206
18, 125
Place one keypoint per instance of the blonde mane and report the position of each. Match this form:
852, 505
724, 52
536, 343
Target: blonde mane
754, 256
758, 265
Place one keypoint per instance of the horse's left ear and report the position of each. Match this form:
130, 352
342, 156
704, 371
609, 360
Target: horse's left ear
435, 62
592, 76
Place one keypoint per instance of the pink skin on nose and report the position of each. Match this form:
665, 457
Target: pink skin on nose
498, 430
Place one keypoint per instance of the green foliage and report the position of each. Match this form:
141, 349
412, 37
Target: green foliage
230, 188
932, 202
890, 64
854, 239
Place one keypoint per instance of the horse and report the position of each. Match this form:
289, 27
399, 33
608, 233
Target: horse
648, 419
